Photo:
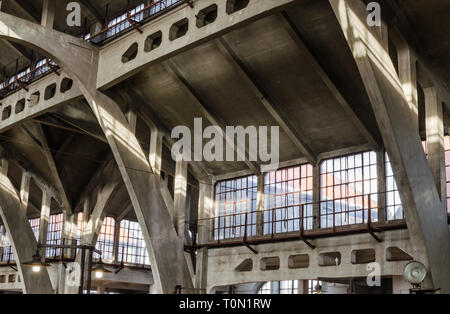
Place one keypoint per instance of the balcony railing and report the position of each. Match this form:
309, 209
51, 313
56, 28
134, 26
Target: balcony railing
132, 19
26, 77
296, 223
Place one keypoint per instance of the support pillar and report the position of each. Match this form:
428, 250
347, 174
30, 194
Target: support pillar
260, 206
25, 190
435, 139
408, 75
48, 13
156, 142
205, 213
142, 184
425, 216
316, 197
43, 223
381, 177
21, 237
180, 197
69, 233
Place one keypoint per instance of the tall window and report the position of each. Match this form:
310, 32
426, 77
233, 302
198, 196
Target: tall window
80, 227
132, 248
235, 204
34, 223
348, 188
54, 235
394, 207
105, 241
288, 197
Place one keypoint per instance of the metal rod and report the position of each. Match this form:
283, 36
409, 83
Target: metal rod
89, 274
83, 260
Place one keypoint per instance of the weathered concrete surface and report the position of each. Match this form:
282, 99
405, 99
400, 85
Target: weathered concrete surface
222, 262
21, 237
425, 214
142, 185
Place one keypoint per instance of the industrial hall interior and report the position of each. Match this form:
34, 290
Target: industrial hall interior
224, 147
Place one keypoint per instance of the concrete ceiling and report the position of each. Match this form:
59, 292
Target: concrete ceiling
206, 76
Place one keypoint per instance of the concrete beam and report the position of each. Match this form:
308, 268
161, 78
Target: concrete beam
48, 13
93, 220
20, 161
36, 133
242, 152
424, 212
205, 212
435, 139
151, 119
43, 222
180, 197
267, 101
156, 143
25, 190
21, 237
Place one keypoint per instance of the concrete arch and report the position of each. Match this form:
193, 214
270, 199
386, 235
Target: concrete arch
165, 249
21, 237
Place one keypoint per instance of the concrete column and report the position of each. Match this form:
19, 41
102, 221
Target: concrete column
435, 139
2, 241
316, 197
260, 206
4, 165
92, 226
180, 197
69, 233
116, 241
48, 13
86, 216
205, 213
408, 76
156, 142
25, 190
381, 177
21, 237
132, 117
424, 211
45, 216
142, 185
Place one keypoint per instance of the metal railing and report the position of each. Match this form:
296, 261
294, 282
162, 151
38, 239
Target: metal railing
130, 21
272, 225
135, 19
26, 77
